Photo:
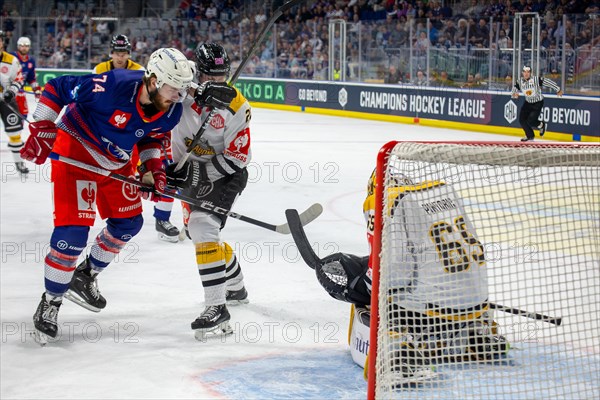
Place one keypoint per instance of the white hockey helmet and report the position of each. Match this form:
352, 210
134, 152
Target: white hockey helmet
24, 41
170, 67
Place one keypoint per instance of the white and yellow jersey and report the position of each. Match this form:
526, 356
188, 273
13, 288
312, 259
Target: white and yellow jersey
10, 73
106, 66
225, 145
435, 255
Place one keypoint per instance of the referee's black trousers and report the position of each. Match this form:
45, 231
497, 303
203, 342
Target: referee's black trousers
529, 117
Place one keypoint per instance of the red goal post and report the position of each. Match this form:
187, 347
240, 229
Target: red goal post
552, 155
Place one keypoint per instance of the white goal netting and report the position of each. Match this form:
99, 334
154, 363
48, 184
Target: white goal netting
489, 272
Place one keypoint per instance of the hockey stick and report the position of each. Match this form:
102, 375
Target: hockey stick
306, 252
276, 14
307, 216
313, 261
527, 314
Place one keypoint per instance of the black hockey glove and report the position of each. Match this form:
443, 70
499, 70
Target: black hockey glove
8, 95
342, 275
234, 185
214, 94
192, 174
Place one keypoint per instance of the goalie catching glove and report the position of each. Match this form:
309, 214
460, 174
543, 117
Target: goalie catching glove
40, 142
214, 94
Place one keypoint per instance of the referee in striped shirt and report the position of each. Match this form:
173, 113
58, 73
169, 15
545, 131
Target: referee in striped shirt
534, 101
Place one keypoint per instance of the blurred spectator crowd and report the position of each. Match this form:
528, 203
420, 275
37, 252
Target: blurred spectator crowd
430, 43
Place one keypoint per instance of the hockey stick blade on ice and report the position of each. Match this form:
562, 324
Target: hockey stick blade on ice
306, 217
297, 230
276, 14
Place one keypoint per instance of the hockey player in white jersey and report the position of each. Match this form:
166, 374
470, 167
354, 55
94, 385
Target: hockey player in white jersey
11, 82
216, 172
438, 303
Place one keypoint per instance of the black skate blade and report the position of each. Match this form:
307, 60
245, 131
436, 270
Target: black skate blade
75, 298
167, 238
40, 337
219, 331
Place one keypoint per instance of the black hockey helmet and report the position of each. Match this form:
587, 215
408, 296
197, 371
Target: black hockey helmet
120, 43
212, 59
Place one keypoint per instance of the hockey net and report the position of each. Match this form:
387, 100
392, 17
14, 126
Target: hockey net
486, 272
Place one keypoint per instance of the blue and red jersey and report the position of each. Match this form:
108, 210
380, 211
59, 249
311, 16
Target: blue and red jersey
27, 69
104, 114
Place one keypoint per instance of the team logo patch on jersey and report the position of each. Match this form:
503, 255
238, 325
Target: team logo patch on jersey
119, 119
86, 195
240, 146
217, 122
4, 69
130, 192
12, 119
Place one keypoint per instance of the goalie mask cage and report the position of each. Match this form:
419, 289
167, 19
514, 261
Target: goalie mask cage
520, 222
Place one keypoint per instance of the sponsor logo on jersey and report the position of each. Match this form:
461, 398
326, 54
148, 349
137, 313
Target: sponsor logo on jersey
86, 195
217, 122
74, 92
202, 148
240, 146
119, 119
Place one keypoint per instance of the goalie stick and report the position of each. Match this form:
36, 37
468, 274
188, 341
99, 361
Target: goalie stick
310, 214
276, 14
313, 261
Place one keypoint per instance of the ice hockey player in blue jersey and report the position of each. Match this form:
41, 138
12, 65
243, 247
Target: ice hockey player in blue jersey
28, 71
106, 116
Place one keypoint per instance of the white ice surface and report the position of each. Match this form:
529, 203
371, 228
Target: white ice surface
289, 342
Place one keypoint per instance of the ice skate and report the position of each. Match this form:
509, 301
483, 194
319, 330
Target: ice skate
83, 289
44, 319
213, 322
167, 231
543, 128
23, 170
235, 297
409, 364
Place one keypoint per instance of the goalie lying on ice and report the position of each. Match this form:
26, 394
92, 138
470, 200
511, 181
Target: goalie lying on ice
433, 277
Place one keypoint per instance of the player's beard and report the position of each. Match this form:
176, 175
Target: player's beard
159, 102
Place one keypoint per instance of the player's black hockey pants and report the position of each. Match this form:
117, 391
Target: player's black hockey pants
529, 117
